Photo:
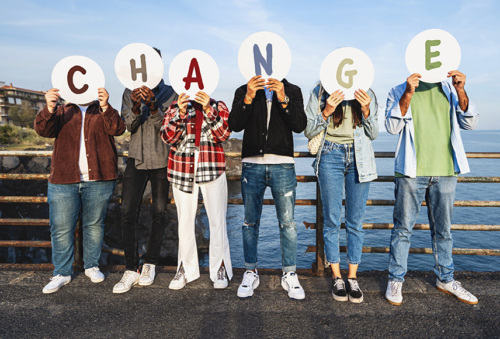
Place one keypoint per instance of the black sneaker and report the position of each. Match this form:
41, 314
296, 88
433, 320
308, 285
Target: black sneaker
338, 290
355, 294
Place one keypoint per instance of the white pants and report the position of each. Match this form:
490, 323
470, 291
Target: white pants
215, 199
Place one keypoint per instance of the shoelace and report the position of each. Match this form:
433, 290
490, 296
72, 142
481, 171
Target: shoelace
146, 269
57, 277
395, 288
180, 274
339, 284
354, 285
247, 278
221, 273
126, 276
458, 287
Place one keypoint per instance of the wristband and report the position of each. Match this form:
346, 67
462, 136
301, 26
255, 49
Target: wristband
248, 98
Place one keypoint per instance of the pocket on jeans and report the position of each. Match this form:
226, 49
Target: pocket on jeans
248, 164
288, 166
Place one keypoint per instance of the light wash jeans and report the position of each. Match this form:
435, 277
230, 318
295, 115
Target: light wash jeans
337, 170
65, 201
283, 182
439, 194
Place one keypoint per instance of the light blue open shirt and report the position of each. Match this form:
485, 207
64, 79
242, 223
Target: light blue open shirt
406, 157
363, 135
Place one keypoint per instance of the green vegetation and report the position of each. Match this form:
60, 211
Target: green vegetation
13, 136
24, 115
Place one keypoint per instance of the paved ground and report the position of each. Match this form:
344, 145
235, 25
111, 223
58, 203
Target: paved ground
86, 310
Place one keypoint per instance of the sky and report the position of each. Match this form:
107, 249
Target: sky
35, 35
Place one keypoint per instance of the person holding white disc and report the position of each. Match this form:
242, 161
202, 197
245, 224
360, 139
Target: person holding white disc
345, 161
195, 129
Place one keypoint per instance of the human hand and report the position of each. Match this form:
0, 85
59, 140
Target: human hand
364, 99
412, 83
182, 102
147, 95
103, 97
253, 86
135, 96
278, 87
458, 79
332, 102
51, 97
204, 100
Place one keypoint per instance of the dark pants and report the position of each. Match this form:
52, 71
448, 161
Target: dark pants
134, 184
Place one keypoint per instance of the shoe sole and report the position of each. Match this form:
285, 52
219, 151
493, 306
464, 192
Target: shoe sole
356, 300
220, 287
393, 302
146, 283
339, 298
287, 288
55, 290
241, 296
176, 288
96, 281
462, 300
123, 291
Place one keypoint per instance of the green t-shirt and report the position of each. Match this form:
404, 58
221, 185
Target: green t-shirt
431, 120
344, 133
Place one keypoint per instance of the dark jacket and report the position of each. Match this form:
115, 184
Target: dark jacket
257, 139
65, 125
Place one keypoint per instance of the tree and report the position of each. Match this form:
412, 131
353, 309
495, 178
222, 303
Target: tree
23, 115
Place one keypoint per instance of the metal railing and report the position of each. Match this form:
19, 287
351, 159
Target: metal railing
318, 265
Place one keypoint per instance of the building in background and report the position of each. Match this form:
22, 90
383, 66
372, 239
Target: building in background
13, 97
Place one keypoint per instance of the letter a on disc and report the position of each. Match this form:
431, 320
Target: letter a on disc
192, 71
78, 78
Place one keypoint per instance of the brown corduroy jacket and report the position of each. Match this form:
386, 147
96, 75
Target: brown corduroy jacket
65, 126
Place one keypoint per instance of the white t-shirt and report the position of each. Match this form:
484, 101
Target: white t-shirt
269, 159
82, 161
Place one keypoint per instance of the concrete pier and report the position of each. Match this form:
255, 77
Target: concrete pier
83, 309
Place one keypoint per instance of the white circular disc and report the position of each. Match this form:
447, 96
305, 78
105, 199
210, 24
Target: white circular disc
432, 54
192, 71
347, 69
254, 56
139, 65
78, 78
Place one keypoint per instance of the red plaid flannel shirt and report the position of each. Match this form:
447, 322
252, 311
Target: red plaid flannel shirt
180, 134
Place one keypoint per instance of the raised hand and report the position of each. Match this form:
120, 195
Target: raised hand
364, 99
278, 87
103, 97
332, 102
253, 85
51, 97
412, 83
204, 100
182, 102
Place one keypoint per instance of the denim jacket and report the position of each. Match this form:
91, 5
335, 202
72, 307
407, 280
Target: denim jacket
363, 135
406, 157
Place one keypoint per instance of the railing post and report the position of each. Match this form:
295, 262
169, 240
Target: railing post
318, 267
78, 264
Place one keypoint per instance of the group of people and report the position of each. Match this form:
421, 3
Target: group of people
177, 140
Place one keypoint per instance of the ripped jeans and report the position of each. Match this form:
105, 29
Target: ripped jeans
283, 182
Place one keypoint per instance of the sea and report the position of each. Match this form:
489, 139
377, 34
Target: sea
269, 252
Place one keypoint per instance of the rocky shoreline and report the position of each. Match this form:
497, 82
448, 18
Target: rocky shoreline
112, 237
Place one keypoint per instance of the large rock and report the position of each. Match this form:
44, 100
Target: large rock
9, 163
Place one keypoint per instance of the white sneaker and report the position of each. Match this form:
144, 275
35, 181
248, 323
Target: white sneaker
179, 280
221, 281
94, 274
455, 288
290, 282
393, 293
129, 279
56, 283
147, 275
250, 282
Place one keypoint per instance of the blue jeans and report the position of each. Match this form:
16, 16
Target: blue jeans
337, 170
439, 193
65, 201
283, 182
